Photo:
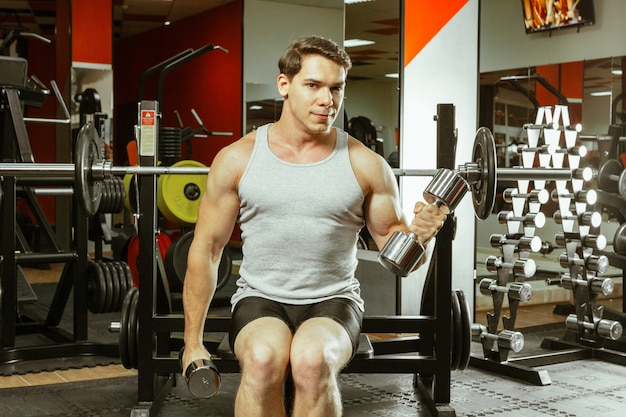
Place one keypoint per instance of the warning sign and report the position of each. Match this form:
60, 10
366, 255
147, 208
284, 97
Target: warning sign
147, 117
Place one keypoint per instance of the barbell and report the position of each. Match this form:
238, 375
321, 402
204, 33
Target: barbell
90, 169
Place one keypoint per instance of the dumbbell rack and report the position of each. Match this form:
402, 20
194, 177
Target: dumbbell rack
16, 148
577, 258
427, 358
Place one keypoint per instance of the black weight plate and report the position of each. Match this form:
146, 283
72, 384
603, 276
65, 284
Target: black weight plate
86, 190
119, 243
109, 287
455, 349
466, 331
605, 182
99, 295
619, 240
123, 338
122, 281
171, 269
117, 290
129, 275
484, 191
122, 196
133, 330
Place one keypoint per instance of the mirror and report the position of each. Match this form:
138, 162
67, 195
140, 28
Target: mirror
372, 92
592, 90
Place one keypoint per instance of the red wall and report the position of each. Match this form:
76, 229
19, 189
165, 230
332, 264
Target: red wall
92, 23
211, 83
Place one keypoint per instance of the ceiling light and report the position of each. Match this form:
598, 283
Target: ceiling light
393, 75
255, 107
356, 1
616, 72
167, 23
351, 43
600, 93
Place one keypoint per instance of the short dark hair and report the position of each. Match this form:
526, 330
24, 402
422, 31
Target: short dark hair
290, 63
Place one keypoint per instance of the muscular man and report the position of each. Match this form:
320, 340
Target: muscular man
301, 191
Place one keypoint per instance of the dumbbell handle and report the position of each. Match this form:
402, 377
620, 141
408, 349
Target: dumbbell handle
529, 219
535, 196
582, 196
608, 329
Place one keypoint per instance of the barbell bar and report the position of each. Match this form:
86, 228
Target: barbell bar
89, 170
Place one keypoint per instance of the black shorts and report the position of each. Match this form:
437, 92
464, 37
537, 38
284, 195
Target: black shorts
342, 310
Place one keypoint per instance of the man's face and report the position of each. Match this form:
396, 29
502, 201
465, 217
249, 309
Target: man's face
315, 94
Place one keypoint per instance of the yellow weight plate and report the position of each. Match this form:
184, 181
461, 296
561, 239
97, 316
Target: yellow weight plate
127, 183
178, 196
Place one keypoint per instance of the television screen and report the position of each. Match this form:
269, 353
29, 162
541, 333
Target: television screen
543, 15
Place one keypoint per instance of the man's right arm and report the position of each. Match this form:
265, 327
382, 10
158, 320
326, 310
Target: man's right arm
217, 215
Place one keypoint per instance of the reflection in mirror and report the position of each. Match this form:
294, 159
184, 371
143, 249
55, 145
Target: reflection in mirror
372, 91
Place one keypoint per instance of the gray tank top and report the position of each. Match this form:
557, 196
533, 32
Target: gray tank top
299, 227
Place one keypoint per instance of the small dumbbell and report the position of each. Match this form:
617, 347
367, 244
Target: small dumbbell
524, 243
535, 196
608, 329
521, 291
588, 241
574, 151
596, 263
585, 174
506, 339
521, 267
537, 220
553, 126
403, 251
597, 285
583, 196
202, 377
543, 149
612, 177
587, 218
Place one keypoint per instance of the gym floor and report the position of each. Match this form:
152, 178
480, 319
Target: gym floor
582, 388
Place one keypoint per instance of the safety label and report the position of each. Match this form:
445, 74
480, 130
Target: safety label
147, 133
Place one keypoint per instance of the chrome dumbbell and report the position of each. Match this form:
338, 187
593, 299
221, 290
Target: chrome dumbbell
597, 285
599, 264
524, 243
583, 196
202, 377
588, 241
403, 251
521, 267
506, 339
587, 218
535, 196
521, 291
605, 328
537, 220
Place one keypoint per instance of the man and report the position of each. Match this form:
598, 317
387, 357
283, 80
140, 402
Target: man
301, 191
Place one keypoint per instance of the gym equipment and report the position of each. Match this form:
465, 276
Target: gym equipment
529, 219
176, 262
589, 197
587, 218
596, 263
521, 291
608, 329
612, 177
597, 285
506, 339
403, 250
178, 197
535, 196
597, 242
523, 243
202, 377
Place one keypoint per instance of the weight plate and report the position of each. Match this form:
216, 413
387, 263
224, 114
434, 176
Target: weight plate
176, 262
117, 290
129, 275
120, 274
484, 190
609, 168
133, 330
466, 331
119, 243
87, 190
129, 189
178, 196
98, 296
455, 349
109, 286
123, 337
619, 240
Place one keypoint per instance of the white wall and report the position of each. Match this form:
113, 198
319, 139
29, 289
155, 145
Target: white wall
445, 71
504, 43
